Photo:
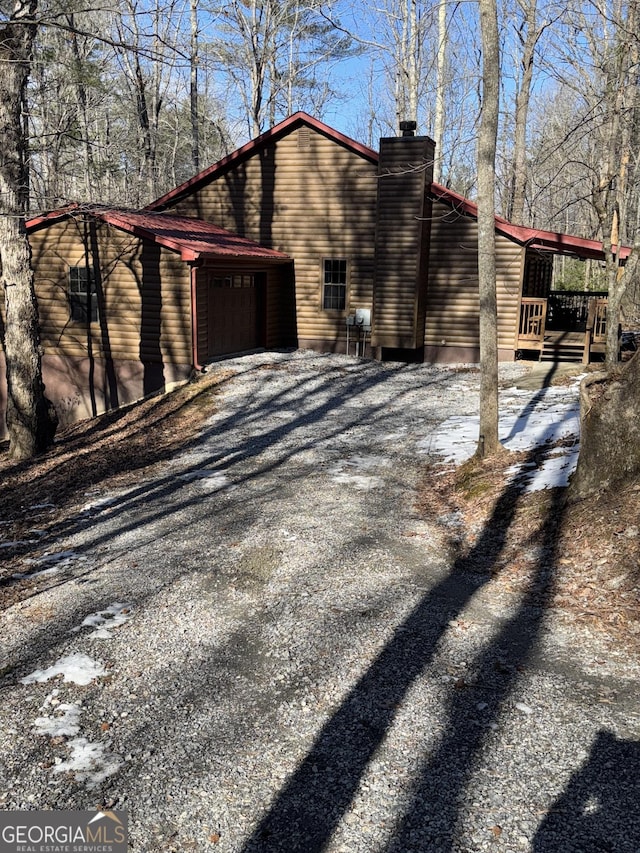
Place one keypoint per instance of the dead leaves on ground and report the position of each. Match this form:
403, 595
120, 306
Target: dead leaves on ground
592, 547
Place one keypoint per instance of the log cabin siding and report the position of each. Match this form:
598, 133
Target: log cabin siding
143, 294
453, 301
202, 317
280, 307
311, 198
141, 342
402, 241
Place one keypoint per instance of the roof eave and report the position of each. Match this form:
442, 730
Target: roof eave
549, 241
52, 216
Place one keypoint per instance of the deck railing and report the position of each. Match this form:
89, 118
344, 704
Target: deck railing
599, 319
596, 331
570, 310
575, 313
533, 314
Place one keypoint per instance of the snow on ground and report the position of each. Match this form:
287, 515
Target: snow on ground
48, 564
64, 721
77, 668
88, 762
105, 620
543, 420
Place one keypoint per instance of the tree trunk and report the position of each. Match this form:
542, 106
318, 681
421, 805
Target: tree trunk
81, 94
488, 442
29, 415
440, 85
609, 431
193, 85
519, 177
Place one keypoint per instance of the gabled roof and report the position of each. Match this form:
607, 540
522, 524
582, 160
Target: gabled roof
536, 238
191, 238
533, 237
195, 238
256, 145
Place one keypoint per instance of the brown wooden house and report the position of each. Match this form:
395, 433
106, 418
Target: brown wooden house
370, 230
302, 237
131, 303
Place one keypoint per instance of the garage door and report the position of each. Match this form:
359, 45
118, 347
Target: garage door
234, 322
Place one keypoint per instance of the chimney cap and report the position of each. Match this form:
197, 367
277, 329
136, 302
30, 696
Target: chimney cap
408, 128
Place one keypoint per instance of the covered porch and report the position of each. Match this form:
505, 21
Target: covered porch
564, 326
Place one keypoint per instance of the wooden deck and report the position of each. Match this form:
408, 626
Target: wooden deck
582, 319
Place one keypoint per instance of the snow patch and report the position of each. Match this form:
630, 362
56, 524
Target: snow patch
89, 762
527, 421
52, 563
65, 724
77, 668
104, 621
19, 576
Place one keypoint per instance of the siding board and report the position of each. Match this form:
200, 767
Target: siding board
312, 202
453, 301
144, 301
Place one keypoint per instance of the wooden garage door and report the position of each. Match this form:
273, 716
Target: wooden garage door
234, 321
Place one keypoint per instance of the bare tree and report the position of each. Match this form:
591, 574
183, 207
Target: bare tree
597, 52
488, 441
439, 119
396, 35
528, 31
615, 185
150, 35
29, 417
193, 87
272, 51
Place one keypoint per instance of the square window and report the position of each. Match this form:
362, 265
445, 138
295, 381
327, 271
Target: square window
334, 285
83, 298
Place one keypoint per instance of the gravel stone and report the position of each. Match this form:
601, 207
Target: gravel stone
291, 663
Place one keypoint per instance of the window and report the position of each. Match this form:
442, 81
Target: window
82, 295
334, 285
244, 280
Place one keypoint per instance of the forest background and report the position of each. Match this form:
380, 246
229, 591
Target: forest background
117, 106
126, 102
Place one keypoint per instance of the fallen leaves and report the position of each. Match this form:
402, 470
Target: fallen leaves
593, 555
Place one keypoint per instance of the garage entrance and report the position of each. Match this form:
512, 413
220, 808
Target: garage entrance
235, 312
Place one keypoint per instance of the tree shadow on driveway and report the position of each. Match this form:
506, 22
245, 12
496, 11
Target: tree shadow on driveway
308, 809
593, 813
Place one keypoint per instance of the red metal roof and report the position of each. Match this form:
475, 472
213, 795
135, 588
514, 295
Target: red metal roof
248, 150
533, 237
536, 238
221, 242
192, 238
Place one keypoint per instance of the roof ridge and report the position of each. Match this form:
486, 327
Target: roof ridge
249, 148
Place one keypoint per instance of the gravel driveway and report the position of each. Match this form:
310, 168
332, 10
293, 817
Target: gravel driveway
265, 648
